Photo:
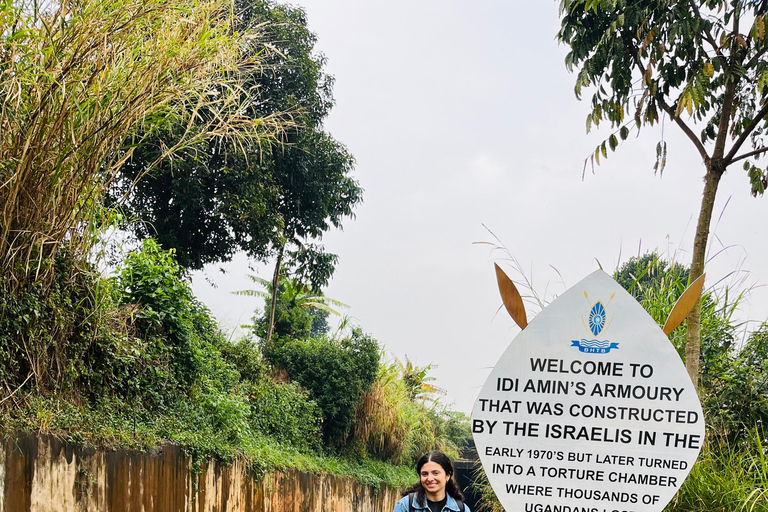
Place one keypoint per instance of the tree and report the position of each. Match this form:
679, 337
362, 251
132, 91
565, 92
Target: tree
662, 58
298, 312
258, 198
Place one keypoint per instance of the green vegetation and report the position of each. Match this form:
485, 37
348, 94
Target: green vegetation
734, 390
202, 125
336, 374
225, 196
726, 479
298, 313
657, 285
154, 368
730, 474
74, 85
393, 424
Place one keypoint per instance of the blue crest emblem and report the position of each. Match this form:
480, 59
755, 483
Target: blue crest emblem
597, 318
596, 322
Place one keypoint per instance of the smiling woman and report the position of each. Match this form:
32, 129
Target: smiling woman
436, 490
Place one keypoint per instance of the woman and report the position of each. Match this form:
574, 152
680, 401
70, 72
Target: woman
436, 490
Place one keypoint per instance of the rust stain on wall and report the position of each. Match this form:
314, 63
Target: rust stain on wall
41, 473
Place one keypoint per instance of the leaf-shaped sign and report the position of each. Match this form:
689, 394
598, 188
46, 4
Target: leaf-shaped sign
589, 409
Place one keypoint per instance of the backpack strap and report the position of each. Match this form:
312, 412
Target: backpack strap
460, 505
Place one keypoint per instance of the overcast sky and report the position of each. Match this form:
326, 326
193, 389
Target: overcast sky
462, 114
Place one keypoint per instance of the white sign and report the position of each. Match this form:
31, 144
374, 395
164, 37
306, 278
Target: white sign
590, 409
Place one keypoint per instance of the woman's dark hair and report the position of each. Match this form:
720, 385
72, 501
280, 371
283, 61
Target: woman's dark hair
451, 487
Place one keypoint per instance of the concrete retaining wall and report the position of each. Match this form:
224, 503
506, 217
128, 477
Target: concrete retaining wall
41, 473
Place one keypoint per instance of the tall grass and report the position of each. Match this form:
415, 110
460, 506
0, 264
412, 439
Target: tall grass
726, 479
382, 423
74, 82
394, 424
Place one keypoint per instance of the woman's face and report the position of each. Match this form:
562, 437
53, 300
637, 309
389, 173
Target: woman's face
433, 479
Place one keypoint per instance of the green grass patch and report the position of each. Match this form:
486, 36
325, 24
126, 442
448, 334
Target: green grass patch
114, 425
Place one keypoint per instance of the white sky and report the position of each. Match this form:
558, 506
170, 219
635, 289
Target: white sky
462, 114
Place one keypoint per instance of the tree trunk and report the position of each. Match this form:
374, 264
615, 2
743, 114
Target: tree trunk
273, 305
693, 331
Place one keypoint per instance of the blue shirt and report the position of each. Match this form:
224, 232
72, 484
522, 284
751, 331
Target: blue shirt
450, 505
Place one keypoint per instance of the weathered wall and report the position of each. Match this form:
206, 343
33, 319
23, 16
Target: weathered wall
44, 474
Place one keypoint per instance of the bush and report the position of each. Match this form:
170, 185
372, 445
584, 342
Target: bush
246, 358
141, 336
735, 397
335, 373
178, 344
429, 432
284, 412
734, 382
657, 285
152, 280
395, 423
49, 328
299, 313
455, 428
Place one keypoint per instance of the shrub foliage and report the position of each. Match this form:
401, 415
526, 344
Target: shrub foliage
335, 373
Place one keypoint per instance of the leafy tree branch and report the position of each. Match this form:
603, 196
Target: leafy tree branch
678, 57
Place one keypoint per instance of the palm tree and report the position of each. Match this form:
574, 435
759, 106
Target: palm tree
292, 296
416, 380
